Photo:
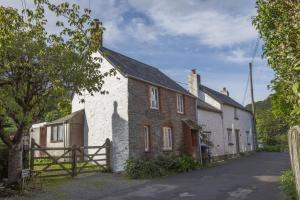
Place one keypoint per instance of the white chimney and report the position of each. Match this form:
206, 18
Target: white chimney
225, 91
194, 82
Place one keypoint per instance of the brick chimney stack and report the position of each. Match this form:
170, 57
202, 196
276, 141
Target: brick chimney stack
97, 31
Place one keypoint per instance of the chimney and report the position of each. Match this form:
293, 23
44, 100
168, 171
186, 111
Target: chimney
225, 91
194, 81
97, 33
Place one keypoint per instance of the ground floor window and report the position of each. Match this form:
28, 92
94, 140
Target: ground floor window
146, 138
229, 135
167, 138
57, 133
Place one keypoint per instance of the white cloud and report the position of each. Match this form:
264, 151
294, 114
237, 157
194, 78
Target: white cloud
203, 20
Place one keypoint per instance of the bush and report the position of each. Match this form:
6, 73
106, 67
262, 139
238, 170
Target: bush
275, 148
160, 166
288, 186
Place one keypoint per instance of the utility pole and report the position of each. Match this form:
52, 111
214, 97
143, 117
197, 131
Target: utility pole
253, 108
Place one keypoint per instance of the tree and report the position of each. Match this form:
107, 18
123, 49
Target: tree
37, 67
278, 22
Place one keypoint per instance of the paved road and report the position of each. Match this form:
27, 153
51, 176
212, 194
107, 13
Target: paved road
254, 177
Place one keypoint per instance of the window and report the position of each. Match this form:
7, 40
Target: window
180, 105
147, 138
167, 138
248, 137
236, 113
57, 133
154, 98
229, 132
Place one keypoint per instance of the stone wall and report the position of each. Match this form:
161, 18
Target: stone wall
106, 116
141, 115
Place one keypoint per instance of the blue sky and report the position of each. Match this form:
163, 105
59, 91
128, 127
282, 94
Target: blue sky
215, 37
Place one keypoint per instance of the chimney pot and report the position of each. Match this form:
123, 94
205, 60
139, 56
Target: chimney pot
194, 71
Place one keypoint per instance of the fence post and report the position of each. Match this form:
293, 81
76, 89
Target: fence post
294, 149
108, 151
74, 161
31, 156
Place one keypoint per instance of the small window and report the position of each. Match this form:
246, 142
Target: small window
180, 104
146, 138
154, 98
236, 113
167, 138
229, 132
57, 133
248, 137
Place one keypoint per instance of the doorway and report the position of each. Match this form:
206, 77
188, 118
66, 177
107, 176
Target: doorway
237, 138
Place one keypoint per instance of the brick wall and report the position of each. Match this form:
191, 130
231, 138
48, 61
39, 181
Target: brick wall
140, 115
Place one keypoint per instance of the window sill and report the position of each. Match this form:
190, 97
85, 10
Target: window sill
167, 150
180, 113
58, 141
151, 108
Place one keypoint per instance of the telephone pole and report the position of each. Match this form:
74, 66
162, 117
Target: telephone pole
253, 107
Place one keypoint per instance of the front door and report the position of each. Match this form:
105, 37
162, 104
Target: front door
237, 137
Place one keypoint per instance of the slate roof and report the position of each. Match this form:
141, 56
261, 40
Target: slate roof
222, 98
205, 106
141, 71
65, 118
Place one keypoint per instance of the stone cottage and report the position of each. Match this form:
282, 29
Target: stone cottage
145, 113
227, 123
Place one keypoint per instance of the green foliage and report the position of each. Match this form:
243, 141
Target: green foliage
160, 166
38, 69
278, 23
63, 108
288, 186
275, 148
271, 130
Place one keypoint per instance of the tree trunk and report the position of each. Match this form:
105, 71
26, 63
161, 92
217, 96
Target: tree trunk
294, 147
14, 164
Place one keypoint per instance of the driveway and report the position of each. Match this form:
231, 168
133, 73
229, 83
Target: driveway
252, 177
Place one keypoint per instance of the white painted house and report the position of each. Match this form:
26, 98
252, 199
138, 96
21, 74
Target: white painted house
227, 123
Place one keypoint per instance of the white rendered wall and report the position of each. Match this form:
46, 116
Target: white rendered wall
208, 99
243, 123
106, 116
212, 122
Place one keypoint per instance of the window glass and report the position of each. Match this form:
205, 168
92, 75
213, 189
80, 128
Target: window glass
167, 138
180, 106
154, 98
146, 137
54, 133
60, 132
229, 132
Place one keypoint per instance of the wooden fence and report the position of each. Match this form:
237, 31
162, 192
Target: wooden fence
68, 161
294, 148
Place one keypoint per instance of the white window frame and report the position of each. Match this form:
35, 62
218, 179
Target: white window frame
146, 138
56, 135
180, 103
154, 98
167, 138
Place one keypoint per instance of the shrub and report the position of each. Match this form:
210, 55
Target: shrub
288, 186
143, 168
159, 166
275, 148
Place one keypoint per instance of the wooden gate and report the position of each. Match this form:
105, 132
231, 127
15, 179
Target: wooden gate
68, 161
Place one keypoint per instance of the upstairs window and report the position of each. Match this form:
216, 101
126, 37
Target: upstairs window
180, 104
236, 113
154, 98
167, 138
57, 133
146, 138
